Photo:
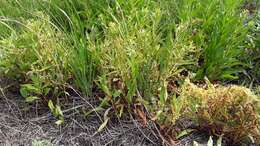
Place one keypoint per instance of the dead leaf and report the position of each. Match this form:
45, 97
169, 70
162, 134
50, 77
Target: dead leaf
142, 115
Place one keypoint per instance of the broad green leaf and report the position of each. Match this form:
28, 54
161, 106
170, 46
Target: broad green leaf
24, 92
30, 88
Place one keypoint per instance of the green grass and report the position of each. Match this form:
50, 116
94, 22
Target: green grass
218, 29
36, 57
254, 48
135, 52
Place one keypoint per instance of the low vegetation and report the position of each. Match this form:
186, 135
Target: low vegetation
139, 57
222, 110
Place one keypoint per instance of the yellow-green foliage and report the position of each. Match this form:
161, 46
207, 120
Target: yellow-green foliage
229, 110
136, 59
36, 57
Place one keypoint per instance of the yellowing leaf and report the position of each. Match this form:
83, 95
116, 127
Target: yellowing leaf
210, 142
58, 111
59, 122
219, 142
51, 106
103, 125
195, 143
31, 99
184, 132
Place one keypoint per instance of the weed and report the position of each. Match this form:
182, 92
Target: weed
232, 111
56, 111
36, 57
135, 52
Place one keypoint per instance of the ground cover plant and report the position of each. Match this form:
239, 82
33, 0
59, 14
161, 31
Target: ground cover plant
160, 61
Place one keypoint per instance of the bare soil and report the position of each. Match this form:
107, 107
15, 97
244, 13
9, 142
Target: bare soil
21, 124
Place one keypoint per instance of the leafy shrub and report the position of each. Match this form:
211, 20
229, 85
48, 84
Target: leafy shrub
232, 111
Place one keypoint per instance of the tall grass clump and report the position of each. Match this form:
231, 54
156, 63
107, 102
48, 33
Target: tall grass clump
136, 60
65, 31
80, 23
218, 28
253, 48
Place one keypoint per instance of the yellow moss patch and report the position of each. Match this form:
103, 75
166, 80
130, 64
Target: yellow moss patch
229, 110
